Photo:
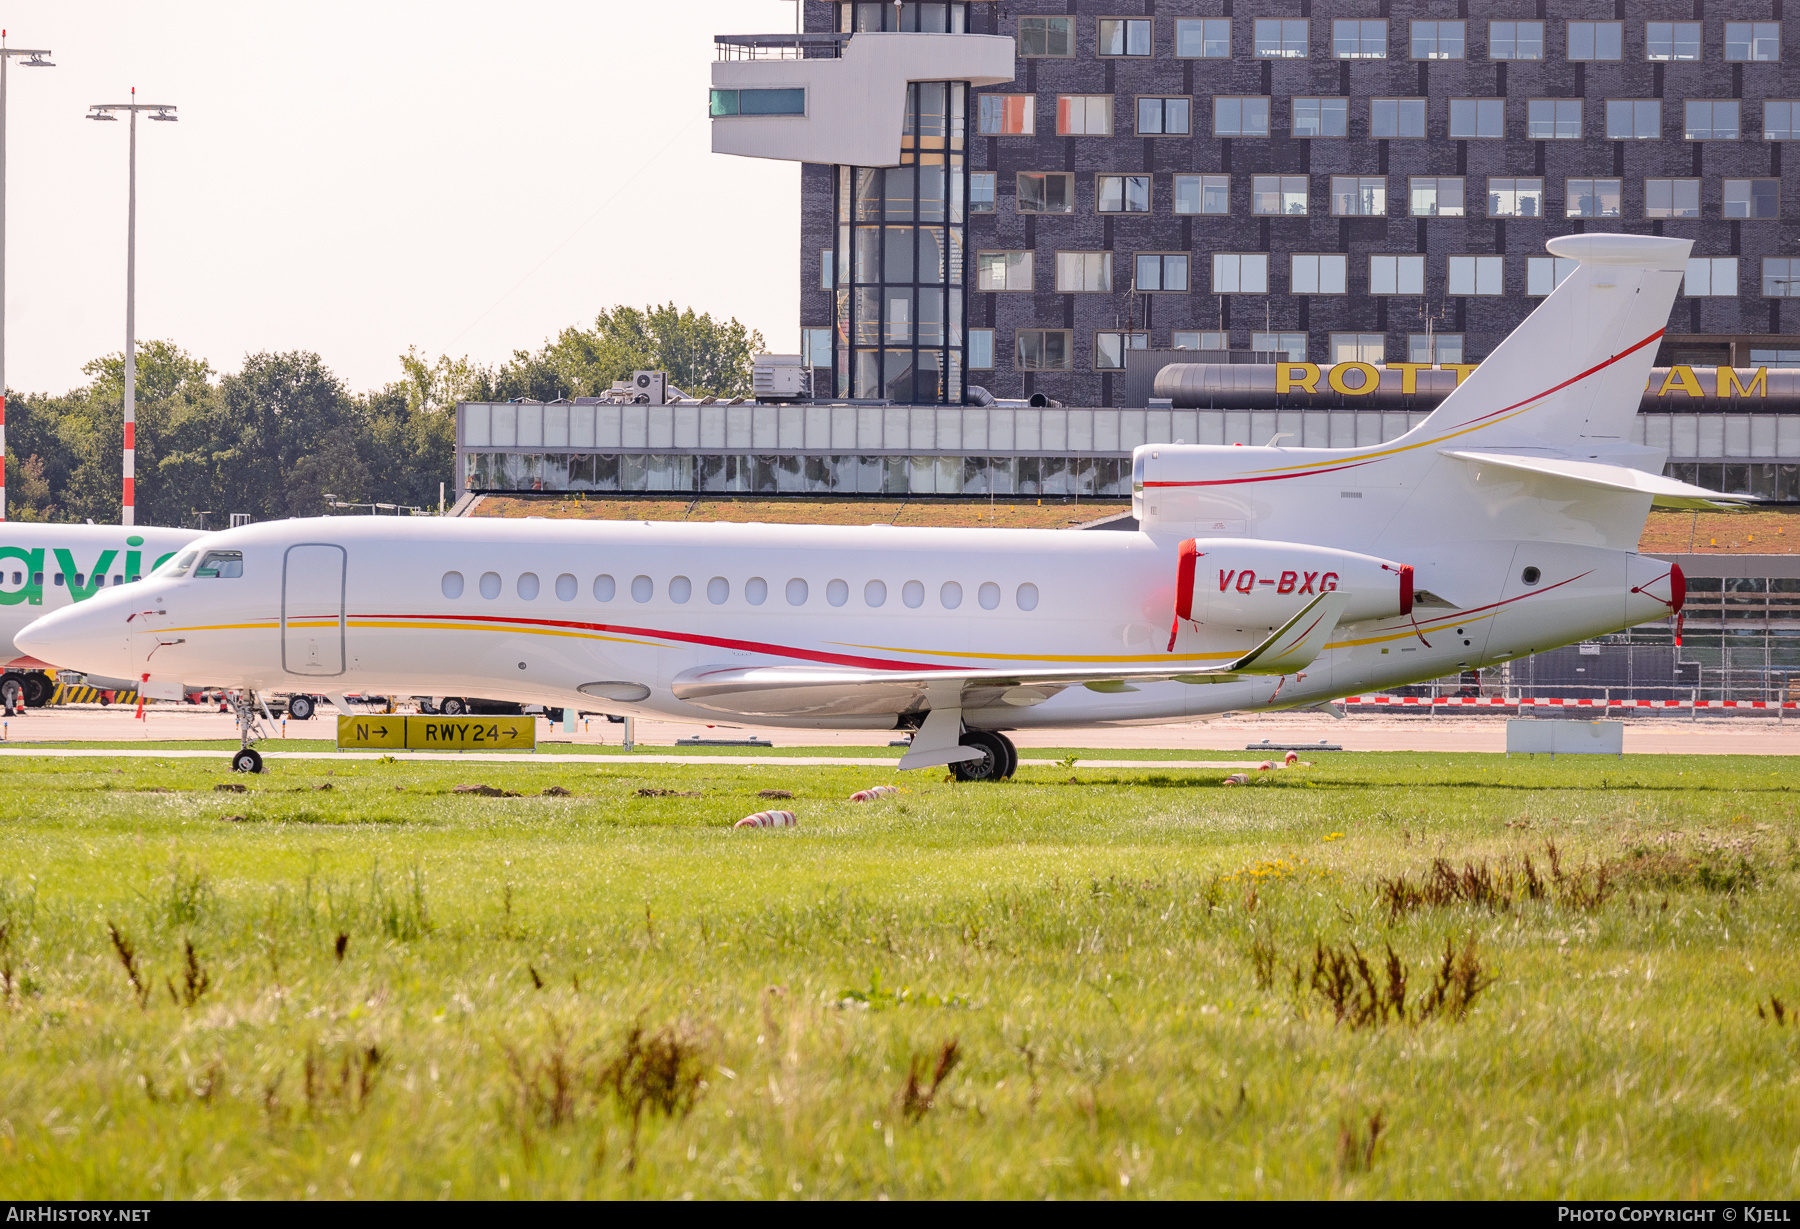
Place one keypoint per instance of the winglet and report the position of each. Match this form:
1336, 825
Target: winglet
1298, 641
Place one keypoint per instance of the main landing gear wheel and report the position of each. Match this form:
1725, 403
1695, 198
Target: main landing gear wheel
453, 706
37, 690
301, 708
247, 760
998, 761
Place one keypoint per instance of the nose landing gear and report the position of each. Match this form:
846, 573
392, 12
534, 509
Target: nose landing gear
1000, 759
243, 705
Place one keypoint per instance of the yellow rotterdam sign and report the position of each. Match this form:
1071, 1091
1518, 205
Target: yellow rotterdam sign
437, 733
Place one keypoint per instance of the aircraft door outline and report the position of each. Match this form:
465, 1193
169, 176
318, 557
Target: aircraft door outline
313, 580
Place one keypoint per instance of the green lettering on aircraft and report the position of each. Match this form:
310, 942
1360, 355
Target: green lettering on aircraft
33, 590
95, 580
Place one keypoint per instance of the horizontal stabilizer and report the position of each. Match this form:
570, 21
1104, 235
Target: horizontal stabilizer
1298, 641
1663, 492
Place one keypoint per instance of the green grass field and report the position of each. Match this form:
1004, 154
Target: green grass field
1131, 983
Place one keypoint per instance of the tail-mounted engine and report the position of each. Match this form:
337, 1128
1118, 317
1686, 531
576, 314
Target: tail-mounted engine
1248, 585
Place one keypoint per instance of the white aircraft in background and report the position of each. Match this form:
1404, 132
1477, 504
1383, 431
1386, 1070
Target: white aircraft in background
1505, 523
44, 567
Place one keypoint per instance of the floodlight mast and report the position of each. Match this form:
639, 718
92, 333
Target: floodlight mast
165, 114
33, 59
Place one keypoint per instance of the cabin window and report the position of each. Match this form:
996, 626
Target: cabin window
528, 586
756, 591
218, 564
796, 592
59, 579
566, 588
490, 585
913, 594
452, 584
680, 589
642, 588
989, 595
604, 588
718, 590
1027, 597
874, 593
837, 593
950, 595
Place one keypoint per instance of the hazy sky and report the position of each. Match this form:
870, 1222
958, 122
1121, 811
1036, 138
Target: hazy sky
355, 178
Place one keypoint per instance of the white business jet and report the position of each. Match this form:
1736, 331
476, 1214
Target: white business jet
1505, 523
44, 567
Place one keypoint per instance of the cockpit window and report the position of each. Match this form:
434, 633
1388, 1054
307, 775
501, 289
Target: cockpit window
226, 564
179, 565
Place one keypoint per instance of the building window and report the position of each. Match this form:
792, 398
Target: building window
1083, 272
1047, 36
1671, 40
1358, 348
1003, 270
1293, 345
1396, 117
1358, 196
1122, 193
1434, 348
1477, 118
1752, 198
1781, 277
1280, 38
1203, 38
1123, 36
1396, 274
1671, 198
1545, 273
1321, 117
1207, 194
1441, 197
727, 103
1715, 120
1324, 273
1634, 119
1084, 115
1109, 348
1553, 119
981, 349
1240, 117
1753, 41
1008, 115
1593, 198
1515, 198
1596, 40
815, 347
825, 282
1358, 40
1758, 358
1163, 273
981, 192
1199, 341
1045, 192
1475, 275
1437, 40
1711, 277
1240, 273
1278, 195
1044, 350
1781, 120
1160, 117
1515, 40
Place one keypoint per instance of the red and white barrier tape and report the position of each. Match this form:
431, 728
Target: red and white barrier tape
1530, 702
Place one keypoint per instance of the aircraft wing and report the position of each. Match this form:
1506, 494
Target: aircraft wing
831, 691
1663, 492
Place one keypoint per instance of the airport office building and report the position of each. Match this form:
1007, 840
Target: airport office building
1002, 200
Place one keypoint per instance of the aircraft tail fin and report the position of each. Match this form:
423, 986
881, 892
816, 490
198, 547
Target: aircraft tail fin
1574, 370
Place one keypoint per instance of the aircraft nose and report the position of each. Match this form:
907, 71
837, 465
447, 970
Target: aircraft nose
76, 638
